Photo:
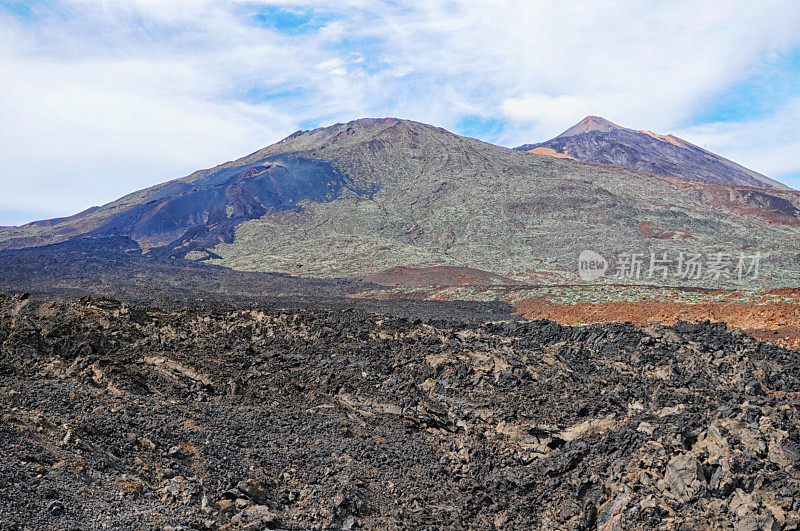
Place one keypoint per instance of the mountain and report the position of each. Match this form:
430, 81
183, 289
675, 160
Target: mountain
356, 199
595, 139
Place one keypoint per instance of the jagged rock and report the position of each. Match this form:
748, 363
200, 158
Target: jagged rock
56, 508
180, 490
256, 517
252, 490
684, 477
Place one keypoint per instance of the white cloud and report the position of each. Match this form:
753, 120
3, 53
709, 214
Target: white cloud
68, 143
111, 95
769, 145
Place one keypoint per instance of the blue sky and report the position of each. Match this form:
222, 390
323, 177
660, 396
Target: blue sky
768, 84
103, 97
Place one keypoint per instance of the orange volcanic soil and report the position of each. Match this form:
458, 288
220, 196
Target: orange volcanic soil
550, 152
776, 322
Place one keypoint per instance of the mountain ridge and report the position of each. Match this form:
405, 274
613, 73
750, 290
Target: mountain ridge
595, 139
369, 195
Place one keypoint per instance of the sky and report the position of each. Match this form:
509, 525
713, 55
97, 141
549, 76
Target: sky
104, 97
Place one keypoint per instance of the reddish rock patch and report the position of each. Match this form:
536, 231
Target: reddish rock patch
650, 229
776, 322
767, 205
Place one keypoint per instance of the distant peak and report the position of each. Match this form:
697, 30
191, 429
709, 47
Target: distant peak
599, 121
590, 123
595, 119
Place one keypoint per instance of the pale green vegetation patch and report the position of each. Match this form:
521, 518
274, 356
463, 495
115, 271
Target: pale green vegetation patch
568, 295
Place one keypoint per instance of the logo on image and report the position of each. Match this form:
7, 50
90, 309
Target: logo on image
591, 265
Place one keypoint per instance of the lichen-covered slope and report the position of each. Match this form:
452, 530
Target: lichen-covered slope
442, 199
362, 197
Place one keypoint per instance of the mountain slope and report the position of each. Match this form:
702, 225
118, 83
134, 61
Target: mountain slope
359, 198
207, 205
595, 139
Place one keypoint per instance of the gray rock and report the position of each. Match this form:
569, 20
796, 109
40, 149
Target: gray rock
684, 476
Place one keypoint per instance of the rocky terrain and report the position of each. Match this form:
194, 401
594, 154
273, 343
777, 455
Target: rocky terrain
128, 417
328, 334
595, 139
